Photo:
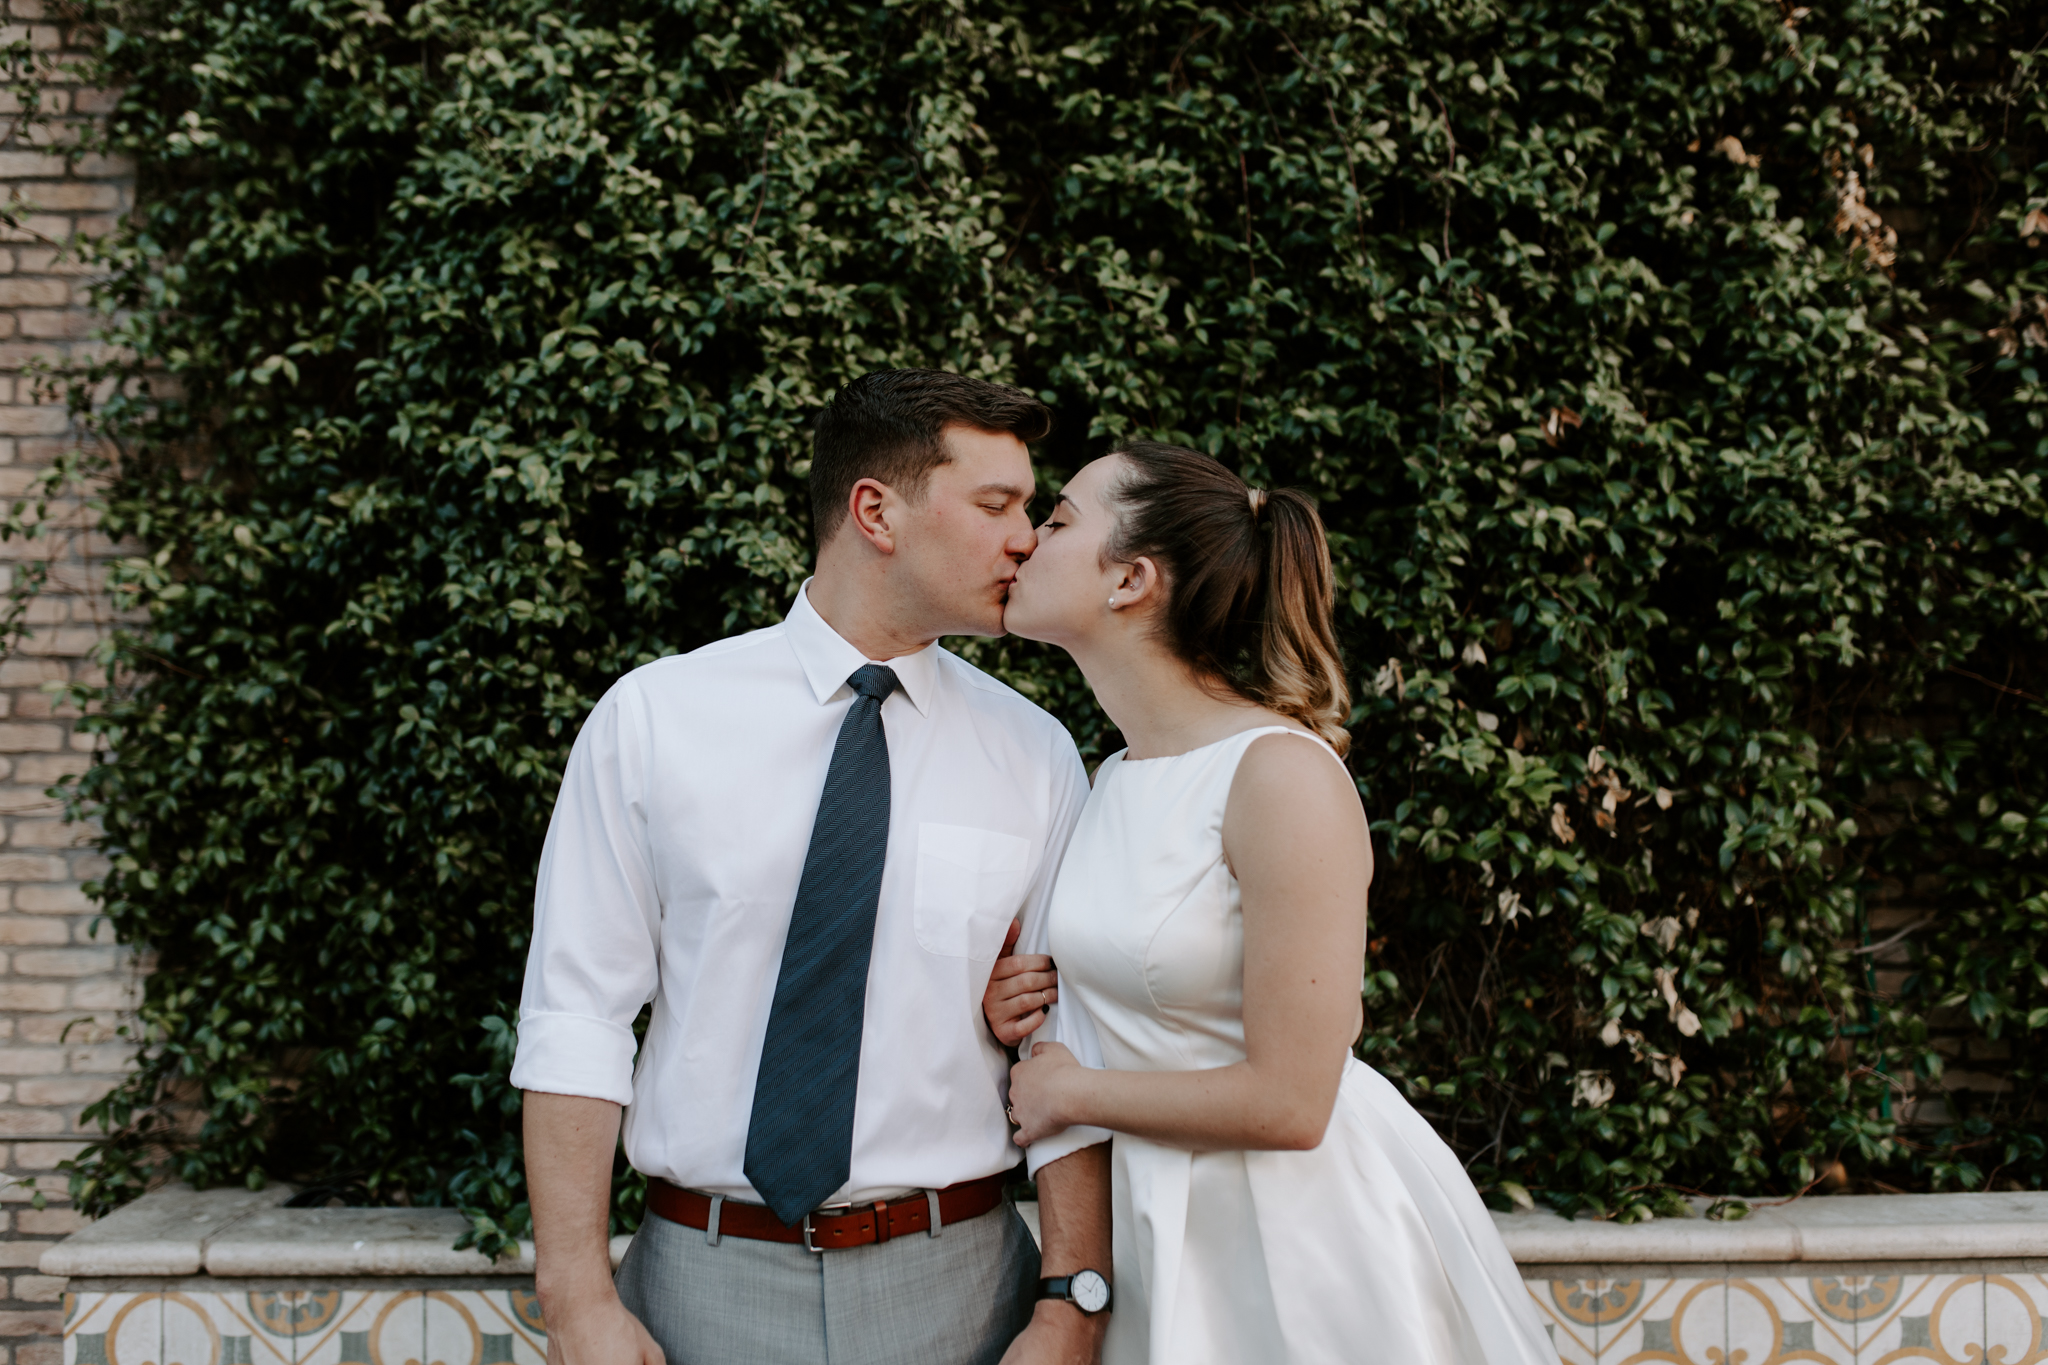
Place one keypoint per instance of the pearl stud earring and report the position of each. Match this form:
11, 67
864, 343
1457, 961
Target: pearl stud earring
1112, 604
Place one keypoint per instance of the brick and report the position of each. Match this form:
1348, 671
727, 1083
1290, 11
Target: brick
16, 930
39, 1288
15, 1255
23, 165
72, 643
97, 929
28, 867
61, 1090
104, 1057
17, 420
39, 1353
54, 323
30, 1123
32, 1322
21, 995
29, 292
78, 1032
40, 227
52, 900
71, 194
56, 1222
98, 995
26, 800
24, 739
44, 771
43, 610
19, 355
65, 961
31, 1061
50, 260
48, 834
44, 1156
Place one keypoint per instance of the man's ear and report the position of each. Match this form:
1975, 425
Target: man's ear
869, 508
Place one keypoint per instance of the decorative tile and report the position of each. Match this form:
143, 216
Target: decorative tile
344, 1339
513, 1314
129, 1328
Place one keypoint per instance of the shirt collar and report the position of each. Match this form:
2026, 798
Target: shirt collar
828, 660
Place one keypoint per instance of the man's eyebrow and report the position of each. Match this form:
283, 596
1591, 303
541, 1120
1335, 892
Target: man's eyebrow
1008, 490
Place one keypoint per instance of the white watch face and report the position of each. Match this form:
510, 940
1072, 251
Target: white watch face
1090, 1291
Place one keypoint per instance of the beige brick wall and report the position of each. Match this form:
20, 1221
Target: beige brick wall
63, 983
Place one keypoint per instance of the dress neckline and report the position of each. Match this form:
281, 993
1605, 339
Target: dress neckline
1238, 734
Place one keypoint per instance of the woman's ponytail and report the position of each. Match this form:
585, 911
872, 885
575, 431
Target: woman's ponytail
1299, 672
1250, 591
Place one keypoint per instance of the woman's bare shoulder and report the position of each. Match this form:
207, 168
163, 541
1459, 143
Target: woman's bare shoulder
1291, 773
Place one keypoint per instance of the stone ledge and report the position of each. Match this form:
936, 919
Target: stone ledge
162, 1233
244, 1234
178, 1231
1868, 1227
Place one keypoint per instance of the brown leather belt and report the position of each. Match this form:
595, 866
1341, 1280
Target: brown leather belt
856, 1226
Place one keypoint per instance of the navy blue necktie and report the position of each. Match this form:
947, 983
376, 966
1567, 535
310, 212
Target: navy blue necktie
800, 1138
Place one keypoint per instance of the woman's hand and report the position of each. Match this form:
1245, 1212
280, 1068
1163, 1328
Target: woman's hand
1044, 1089
1018, 991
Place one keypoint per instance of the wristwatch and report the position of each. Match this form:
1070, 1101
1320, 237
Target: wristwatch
1087, 1290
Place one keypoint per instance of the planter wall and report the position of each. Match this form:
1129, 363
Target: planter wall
229, 1277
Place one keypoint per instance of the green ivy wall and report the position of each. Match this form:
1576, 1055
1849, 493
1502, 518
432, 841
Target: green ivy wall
1669, 375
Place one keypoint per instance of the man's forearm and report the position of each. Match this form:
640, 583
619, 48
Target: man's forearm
570, 1142
1073, 1212
1073, 1232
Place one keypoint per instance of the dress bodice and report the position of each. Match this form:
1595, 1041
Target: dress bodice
1147, 922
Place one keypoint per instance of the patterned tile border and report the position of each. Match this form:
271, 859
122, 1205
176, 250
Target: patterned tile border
1939, 1318
309, 1326
1878, 1318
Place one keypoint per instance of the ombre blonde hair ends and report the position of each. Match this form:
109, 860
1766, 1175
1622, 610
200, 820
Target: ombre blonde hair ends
1250, 592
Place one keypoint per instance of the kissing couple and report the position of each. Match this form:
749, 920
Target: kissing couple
806, 847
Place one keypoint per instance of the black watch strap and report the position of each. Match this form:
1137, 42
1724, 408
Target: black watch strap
1094, 1289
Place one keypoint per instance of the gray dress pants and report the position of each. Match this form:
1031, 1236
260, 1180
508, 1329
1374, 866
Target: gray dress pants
955, 1299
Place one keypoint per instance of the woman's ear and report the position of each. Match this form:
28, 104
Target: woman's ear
1140, 584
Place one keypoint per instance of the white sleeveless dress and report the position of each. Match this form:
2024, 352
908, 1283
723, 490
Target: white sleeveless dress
1372, 1246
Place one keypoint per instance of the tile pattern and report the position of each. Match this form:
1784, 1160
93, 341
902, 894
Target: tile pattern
304, 1327
1949, 1318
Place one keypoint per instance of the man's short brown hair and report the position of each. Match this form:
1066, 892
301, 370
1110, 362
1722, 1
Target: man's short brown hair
886, 426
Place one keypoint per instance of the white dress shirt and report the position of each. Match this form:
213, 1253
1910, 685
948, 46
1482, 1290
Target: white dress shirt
671, 868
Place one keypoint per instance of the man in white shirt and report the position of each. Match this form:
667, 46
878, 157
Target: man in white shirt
805, 846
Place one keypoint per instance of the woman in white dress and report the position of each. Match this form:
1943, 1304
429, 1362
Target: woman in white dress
1275, 1200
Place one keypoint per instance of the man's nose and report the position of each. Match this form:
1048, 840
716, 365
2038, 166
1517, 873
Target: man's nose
1022, 542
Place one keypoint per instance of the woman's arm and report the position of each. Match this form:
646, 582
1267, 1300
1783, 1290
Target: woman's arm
1294, 834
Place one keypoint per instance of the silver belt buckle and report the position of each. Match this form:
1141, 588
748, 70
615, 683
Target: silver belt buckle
818, 1251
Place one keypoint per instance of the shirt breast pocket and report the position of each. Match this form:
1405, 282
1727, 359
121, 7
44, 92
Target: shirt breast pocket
970, 885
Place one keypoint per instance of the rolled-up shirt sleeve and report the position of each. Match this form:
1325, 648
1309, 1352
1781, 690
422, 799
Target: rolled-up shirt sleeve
594, 958
1064, 1023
